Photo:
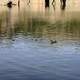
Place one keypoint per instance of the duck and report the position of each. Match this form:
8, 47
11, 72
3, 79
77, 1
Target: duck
53, 41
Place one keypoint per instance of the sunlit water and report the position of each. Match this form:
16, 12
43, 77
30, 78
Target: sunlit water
40, 44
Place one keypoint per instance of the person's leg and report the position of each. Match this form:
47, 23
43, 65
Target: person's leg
53, 2
64, 2
46, 3
61, 2
28, 2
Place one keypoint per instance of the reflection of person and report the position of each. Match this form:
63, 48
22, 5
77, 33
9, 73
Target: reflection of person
63, 4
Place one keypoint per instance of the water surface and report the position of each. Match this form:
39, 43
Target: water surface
28, 50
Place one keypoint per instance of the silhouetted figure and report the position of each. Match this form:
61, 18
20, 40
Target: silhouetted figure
9, 4
46, 3
63, 4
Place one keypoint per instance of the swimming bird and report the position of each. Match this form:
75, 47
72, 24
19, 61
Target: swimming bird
53, 41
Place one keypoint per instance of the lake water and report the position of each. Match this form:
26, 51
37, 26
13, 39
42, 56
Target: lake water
38, 43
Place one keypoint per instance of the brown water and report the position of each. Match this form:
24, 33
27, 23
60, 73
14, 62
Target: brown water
38, 43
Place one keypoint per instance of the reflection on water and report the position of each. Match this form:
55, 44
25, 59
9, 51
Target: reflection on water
39, 44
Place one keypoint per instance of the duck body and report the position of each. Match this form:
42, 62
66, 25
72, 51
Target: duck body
53, 41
